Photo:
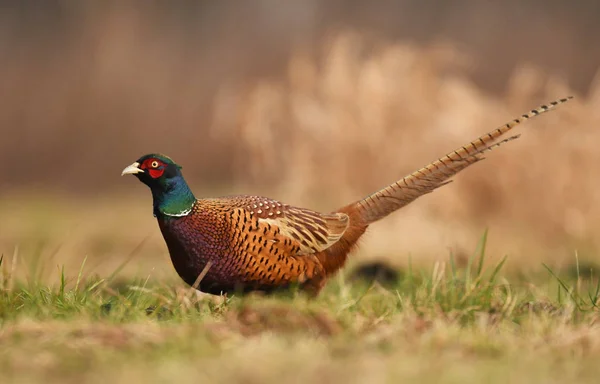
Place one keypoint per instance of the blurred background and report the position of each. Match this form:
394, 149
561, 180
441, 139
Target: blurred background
310, 102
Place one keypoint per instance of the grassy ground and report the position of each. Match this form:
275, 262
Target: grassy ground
443, 324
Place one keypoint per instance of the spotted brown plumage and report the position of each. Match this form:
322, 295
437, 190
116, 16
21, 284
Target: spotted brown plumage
247, 243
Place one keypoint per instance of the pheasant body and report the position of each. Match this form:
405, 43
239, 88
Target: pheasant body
241, 250
247, 243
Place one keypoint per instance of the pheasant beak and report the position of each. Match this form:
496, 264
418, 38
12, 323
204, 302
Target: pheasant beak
132, 169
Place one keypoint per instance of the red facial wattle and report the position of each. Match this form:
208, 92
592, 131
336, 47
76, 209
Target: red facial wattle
154, 167
155, 173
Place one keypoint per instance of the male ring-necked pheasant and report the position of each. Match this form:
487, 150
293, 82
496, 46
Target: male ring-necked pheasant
245, 243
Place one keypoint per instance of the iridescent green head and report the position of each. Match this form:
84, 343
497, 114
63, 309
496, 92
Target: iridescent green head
171, 194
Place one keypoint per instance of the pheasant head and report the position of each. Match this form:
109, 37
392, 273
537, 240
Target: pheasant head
171, 194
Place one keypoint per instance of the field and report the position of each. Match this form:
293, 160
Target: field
122, 315
447, 324
493, 278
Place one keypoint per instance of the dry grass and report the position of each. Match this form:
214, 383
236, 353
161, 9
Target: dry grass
339, 128
337, 125
336, 128
441, 351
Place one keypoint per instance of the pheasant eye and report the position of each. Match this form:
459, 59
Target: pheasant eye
154, 164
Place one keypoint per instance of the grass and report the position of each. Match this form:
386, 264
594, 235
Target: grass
446, 324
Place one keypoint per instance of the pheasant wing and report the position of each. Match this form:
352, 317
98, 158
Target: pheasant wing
309, 231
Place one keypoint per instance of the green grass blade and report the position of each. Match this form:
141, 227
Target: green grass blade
79, 276
564, 286
481, 250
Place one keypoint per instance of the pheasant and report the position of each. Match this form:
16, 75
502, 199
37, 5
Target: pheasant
248, 243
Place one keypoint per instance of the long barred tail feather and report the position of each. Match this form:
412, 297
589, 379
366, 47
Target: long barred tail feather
438, 173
